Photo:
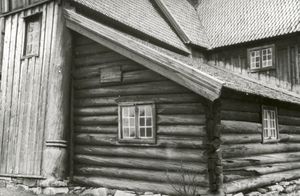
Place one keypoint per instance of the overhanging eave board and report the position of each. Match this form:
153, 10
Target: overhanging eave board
184, 74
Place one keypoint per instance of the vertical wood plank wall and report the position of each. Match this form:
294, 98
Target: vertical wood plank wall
24, 95
248, 163
99, 159
286, 74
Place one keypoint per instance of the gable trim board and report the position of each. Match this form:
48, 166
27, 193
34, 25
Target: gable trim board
186, 75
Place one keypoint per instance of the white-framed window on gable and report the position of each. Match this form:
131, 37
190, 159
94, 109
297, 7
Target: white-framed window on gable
137, 122
261, 58
270, 124
32, 35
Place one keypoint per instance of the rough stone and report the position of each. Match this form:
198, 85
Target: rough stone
255, 193
272, 193
284, 183
290, 188
55, 190
36, 190
239, 194
2, 183
262, 190
95, 192
30, 182
276, 187
123, 193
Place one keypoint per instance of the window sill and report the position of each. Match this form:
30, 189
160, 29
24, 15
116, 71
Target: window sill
261, 69
271, 141
137, 141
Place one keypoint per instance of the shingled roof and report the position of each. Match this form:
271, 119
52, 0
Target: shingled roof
229, 22
202, 78
186, 17
140, 15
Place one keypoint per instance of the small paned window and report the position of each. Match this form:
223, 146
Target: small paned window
137, 122
261, 58
32, 35
270, 127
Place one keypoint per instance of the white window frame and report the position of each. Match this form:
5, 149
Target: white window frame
261, 58
270, 131
136, 126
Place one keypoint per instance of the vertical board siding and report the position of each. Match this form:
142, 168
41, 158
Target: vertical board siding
24, 95
246, 161
99, 159
286, 74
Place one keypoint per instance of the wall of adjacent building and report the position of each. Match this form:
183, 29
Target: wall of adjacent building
247, 162
287, 62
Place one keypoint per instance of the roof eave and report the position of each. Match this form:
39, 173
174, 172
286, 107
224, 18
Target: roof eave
183, 74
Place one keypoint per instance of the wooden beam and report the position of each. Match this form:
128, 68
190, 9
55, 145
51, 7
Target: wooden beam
184, 74
173, 22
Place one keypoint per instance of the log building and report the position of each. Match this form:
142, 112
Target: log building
133, 94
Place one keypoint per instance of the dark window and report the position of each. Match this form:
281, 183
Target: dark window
137, 122
32, 35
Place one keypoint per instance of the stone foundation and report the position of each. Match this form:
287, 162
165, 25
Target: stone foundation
284, 188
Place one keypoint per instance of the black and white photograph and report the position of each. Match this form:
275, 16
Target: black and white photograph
149, 97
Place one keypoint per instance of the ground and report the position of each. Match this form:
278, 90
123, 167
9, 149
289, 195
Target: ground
10, 192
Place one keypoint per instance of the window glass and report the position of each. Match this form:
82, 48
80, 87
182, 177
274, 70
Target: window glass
269, 124
261, 58
137, 122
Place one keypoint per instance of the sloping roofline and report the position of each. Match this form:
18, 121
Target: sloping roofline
184, 74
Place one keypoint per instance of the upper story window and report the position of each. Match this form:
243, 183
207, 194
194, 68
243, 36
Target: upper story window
270, 127
32, 35
261, 58
137, 122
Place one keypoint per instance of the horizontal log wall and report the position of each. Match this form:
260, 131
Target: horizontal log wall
287, 59
99, 159
248, 163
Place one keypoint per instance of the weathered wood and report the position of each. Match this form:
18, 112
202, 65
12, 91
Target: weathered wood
138, 174
261, 159
184, 130
241, 106
267, 168
96, 120
138, 163
183, 74
241, 138
132, 89
182, 119
130, 184
96, 129
260, 181
289, 129
89, 49
240, 127
186, 108
256, 149
146, 152
162, 141
241, 116
94, 70
94, 111
160, 98
97, 59
289, 120
127, 78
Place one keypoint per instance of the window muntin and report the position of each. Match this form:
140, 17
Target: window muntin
261, 57
32, 35
137, 122
270, 132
